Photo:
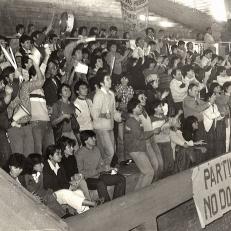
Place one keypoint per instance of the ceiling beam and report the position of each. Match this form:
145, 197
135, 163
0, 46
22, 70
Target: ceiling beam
190, 18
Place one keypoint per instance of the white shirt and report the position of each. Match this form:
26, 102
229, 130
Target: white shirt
83, 113
177, 138
209, 115
223, 79
54, 168
178, 93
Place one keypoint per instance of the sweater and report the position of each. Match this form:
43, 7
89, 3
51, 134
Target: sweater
178, 92
134, 137
70, 166
195, 108
89, 162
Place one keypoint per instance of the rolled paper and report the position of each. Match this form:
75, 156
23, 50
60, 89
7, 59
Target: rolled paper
9, 58
112, 65
90, 39
12, 54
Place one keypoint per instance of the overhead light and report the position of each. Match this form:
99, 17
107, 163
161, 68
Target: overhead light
218, 10
142, 17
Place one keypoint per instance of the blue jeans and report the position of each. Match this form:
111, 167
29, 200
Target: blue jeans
21, 140
43, 135
106, 144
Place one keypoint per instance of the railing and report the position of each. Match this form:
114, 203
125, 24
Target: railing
138, 209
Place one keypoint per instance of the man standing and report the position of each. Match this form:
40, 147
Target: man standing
103, 110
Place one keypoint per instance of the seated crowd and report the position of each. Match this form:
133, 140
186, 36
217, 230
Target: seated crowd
72, 118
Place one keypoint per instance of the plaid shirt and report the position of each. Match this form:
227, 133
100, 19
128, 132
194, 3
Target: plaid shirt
125, 92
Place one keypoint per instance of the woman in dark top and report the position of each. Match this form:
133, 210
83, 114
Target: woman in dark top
70, 165
55, 179
189, 132
33, 182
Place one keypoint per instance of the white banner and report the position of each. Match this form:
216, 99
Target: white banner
212, 189
131, 12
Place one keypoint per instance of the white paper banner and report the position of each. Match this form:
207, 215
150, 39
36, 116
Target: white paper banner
212, 189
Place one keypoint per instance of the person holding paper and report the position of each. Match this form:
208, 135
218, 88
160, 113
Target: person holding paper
79, 69
19, 110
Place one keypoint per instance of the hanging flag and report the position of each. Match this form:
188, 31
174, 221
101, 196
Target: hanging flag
135, 14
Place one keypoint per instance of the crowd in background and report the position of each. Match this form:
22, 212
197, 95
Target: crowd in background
74, 112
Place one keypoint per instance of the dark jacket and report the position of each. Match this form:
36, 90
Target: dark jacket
53, 181
51, 89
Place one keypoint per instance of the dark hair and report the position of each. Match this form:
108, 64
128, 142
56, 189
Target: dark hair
51, 36
81, 29
110, 44
149, 28
207, 51
113, 28
31, 161
174, 71
32, 72
78, 84
24, 38
132, 104
30, 25
156, 103
173, 47
51, 149
213, 86
24, 61
35, 34
78, 47
64, 141
84, 135
137, 40
188, 132
220, 58
92, 31
186, 69
94, 59
226, 85
150, 43
17, 160
208, 96
220, 69
101, 76
181, 42
6, 72
187, 44
125, 35
62, 86
19, 27
191, 86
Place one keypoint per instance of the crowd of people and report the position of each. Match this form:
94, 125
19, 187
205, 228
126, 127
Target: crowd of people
72, 112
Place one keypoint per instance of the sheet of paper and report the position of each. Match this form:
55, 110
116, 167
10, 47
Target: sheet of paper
81, 68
